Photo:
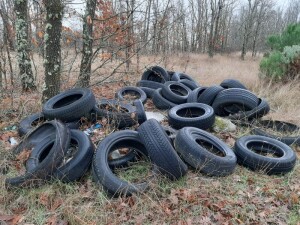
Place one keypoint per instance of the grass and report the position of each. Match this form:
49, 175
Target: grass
245, 197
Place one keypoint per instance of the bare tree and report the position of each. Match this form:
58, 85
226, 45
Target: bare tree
87, 51
24, 61
52, 38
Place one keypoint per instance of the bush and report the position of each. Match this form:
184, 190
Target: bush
283, 62
273, 65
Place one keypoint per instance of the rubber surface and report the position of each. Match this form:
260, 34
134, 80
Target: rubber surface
160, 150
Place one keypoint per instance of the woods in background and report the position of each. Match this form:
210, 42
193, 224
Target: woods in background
125, 29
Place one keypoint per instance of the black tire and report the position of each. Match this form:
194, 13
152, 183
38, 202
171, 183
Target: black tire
160, 150
174, 76
103, 174
283, 164
175, 92
49, 130
69, 105
118, 113
71, 169
141, 115
160, 102
149, 84
157, 74
278, 126
193, 143
191, 115
148, 91
135, 91
195, 94
190, 84
29, 123
209, 94
182, 76
232, 83
262, 109
236, 100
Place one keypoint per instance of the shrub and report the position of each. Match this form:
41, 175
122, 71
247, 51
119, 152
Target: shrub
283, 62
273, 65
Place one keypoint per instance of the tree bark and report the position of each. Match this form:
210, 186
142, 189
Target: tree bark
87, 51
52, 37
25, 70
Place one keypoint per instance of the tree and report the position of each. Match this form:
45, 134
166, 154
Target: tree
52, 37
24, 61
87, 51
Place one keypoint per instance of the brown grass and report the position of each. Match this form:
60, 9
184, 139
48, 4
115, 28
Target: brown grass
245, 197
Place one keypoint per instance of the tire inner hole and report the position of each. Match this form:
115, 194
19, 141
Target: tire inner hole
38, 121
235, 108
137, 170
67, 101
279, 129
155, 77
210, 147
190, 112
45, 152
72, 150
265, 149
131, 95
178, 90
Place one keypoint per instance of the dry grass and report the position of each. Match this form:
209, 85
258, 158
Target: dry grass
244, 197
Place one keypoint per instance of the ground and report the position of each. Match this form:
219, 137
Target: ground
245, 197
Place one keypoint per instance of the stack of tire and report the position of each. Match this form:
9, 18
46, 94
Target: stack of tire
57, 148
167, 89
151, 140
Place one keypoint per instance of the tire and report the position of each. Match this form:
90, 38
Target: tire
174, 76
190, 84
69, 105
195, 94
182, 76
149, 84
160, 102
141, 115
102, 173
160, 150
118, 113
122, 161
209, 94
262, 109
232, 83
236, 98
50, 130
157, 74
72, 169
246, 157
191, 115
279, 126
135, 91
175, 92
148, 91
29, 123
199, 157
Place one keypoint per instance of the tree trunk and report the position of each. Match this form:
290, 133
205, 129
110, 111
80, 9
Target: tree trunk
87, 52
25, 70
52, 37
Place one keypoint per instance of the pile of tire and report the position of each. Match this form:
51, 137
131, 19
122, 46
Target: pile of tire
58, 149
